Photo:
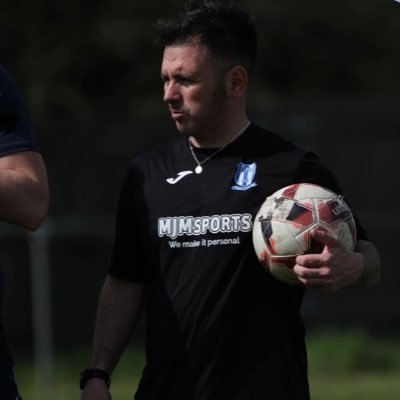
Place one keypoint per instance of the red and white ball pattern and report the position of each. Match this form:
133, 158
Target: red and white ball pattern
282, 226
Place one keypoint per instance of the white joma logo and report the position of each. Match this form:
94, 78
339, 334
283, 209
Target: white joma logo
181, 175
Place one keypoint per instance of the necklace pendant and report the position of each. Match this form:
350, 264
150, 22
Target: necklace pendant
198, 169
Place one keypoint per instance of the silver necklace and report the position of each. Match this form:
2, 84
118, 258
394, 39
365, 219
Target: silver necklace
199, 168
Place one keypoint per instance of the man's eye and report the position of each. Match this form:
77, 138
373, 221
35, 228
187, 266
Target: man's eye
186, 81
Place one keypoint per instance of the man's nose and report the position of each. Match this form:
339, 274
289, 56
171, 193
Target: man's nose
171, 92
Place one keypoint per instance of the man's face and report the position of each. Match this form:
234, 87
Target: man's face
194, 88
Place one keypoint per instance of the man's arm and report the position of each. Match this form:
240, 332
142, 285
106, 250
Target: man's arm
24, 194
118, 311
336, 267
371, 272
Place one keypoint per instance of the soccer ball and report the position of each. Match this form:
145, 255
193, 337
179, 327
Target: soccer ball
282, 226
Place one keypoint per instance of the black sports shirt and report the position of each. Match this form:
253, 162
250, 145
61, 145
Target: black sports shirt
217, 325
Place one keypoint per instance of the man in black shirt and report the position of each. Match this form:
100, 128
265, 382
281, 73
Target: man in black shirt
23, 192
217, 325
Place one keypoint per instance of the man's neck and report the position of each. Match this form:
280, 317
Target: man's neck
220, 137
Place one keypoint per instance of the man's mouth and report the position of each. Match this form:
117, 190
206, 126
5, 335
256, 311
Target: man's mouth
176, 114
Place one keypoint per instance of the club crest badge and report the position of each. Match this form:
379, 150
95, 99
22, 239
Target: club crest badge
244, 177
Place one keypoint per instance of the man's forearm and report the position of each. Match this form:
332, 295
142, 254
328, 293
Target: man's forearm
118, 311
24, 194
372, 264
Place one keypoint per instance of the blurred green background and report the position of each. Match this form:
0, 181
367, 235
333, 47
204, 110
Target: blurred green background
345, 365
327, 77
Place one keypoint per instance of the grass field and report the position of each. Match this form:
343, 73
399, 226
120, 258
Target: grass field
353, 366
343, 366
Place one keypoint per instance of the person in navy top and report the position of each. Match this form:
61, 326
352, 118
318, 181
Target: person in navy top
24, 195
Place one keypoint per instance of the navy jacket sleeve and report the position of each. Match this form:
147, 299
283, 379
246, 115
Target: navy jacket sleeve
16, 132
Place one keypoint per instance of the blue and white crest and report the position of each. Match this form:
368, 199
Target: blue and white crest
244, 177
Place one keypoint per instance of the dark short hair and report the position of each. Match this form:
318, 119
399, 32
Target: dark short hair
228, 31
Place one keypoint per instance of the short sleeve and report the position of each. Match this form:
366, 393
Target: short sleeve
311, 170
129, 259
16, 132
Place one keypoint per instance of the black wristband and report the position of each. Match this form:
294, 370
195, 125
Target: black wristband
90, 373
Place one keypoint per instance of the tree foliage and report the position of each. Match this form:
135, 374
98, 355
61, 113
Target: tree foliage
85, 59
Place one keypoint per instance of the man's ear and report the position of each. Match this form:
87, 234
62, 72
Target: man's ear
236, 81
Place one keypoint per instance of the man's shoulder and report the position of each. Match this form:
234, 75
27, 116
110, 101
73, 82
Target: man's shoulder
8, 86
265, 142
170, 145
158, 153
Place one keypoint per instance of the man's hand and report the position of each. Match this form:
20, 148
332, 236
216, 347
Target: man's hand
95, 389
333, 269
